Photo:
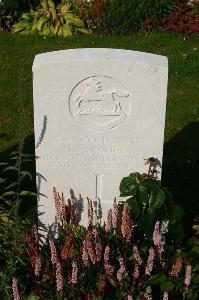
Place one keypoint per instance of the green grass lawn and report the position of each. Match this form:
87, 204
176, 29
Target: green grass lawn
181, 151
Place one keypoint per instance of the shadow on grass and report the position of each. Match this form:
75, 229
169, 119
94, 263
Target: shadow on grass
180, 172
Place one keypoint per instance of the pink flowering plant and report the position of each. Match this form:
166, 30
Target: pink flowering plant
136, 254
106, 261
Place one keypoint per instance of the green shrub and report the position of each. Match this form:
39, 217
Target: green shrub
127, 16
50, 19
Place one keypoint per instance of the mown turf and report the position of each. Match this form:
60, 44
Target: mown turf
180, 167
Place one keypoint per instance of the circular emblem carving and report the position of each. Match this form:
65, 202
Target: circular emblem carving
100, 102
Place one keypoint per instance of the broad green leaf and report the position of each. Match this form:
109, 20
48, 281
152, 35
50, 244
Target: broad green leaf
4, 164
27, 16
73, 20
129, 185
41, 22
46, 32
143, 195
51, 3
156, 200
135, 210
56, 28
84, 30
65, 8
60, 31
53, 12
66, 31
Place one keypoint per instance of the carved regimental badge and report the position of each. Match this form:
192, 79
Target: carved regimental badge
99, 102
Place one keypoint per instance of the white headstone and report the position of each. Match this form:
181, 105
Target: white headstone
97, 113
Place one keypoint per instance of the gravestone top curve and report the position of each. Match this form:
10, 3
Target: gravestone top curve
96, 54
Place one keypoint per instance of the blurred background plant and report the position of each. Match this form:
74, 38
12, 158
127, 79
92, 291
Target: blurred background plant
184, 19
50, 19
10, 11
128, 16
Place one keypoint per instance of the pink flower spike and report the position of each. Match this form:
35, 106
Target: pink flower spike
176, 268
37, 265
15, 290
188, 272
98, 250
166, 296
59, 277
106, 253
137, 255
74, 273
150, 261
156, 234
126, 223
84, 254
57, 205
136, 272
109, 269
54, 257
122, 269
109, 221
129, 297
115, 218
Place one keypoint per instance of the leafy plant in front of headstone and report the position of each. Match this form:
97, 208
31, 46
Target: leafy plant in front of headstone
103, 262
150, 201
51, 20
13, 259
14, 178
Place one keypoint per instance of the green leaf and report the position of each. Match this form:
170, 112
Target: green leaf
156, 200
10, 168
143, 195
11, 185
27, 193
9, 193
41, 22
66, 31
176, 215
73, 20
129, 185
135, 210
27, 16
84, 30
3, 164
24, 174
2, 180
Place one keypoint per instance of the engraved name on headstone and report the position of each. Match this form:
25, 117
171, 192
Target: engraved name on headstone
97, 113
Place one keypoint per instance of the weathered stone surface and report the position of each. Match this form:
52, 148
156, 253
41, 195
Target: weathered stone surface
97, 114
